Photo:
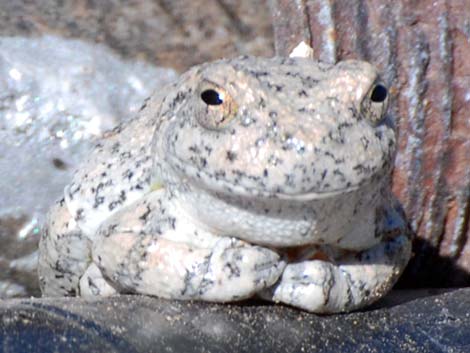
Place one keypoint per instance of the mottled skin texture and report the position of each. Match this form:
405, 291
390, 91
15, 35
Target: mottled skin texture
248, 176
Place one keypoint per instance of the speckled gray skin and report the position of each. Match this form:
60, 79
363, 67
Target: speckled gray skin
247, 176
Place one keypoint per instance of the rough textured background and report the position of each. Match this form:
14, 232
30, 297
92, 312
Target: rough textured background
422, 48
171, 33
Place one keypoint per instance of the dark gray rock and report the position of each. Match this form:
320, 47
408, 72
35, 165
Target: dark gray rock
404, 322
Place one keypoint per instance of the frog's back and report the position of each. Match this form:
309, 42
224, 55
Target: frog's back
116, 173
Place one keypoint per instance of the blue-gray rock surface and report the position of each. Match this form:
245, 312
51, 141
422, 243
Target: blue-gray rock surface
430, 323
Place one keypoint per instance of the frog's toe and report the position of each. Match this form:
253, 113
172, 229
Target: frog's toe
93, 284
238, 270
312, 286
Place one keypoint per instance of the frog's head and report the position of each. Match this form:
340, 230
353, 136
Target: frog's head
276, 128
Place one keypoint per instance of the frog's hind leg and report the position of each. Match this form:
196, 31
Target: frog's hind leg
351, 282
64, 253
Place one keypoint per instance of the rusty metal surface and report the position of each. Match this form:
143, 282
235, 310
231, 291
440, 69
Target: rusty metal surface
422, 49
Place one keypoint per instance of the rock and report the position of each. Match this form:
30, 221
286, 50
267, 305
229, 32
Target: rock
405, 322
176, 34
422, 50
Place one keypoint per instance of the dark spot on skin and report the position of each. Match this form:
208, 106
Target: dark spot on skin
365, 142
208, 149
277, 88
125, 155
337, 138
234, 270
144, 105
340, 174
79, 214
172, 222
309, 81
128, 174
289, 179
98, 201
219, 174
115, 147
258, 74
180, 96
144, 216
194, 149
231, 156
59, 164
292, 74
71, 293
262, 103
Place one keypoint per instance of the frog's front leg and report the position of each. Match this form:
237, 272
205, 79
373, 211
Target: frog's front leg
147, 264
159, 256
353, 281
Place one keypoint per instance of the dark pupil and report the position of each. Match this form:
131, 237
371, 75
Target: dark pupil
379, 94
211, 97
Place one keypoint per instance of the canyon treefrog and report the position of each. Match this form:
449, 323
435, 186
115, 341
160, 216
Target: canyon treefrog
248, 176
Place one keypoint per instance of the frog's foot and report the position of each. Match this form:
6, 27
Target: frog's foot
232, 270
355, 280
64, 254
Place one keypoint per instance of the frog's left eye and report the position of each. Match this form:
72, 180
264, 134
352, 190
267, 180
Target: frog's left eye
217, 107
376, 102
379, 93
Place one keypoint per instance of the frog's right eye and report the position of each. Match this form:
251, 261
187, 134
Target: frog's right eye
217, 107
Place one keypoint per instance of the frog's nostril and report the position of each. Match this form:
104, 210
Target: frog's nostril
379, 94
212, 97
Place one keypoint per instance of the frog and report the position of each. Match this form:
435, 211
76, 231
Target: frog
247, 177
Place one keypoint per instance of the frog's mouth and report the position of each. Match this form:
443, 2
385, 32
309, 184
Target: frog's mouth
190, 175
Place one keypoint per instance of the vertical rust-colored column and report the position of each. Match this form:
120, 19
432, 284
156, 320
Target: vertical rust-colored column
422, 49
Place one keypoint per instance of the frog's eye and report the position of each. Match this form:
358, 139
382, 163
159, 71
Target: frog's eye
212, 97
379, 93
217, 107
376, 102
